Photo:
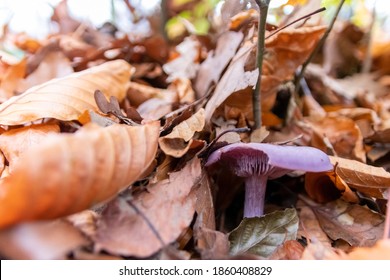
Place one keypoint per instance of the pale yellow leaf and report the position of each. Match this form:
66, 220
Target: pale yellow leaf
68, 97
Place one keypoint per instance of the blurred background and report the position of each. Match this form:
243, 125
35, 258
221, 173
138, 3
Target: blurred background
33, 16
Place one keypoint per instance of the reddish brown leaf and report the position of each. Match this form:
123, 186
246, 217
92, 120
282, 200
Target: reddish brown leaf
141, 225
353, 223
370, 180
343, 134
289, 250
309, 227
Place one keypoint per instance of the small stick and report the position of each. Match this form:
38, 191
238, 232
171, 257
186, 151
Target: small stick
295, 21
318, 47
367, 62
256, 101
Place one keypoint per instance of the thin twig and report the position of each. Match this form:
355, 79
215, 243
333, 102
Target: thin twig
164, 19
367, 57
148, 222
295, 21
318, 47
256, 101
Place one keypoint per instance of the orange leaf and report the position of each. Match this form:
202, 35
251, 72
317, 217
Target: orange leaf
67, 98
10, 79
370, 180
70, 173
344, 135
14, 142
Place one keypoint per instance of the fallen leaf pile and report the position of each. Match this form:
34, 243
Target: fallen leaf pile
104, 139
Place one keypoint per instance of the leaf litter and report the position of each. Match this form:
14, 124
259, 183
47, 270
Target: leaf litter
104, 137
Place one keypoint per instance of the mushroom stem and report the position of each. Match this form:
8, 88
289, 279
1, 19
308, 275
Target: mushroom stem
254, 195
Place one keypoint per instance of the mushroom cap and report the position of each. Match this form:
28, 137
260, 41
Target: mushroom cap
247, 159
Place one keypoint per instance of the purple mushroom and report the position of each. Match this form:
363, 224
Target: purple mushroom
258, 162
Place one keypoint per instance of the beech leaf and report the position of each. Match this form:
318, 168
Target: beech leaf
68, 173
357, 225
234, 79
380, 251
179, 141
369, 180
142, 225
262, 235
15, 142
68, 97
211, 69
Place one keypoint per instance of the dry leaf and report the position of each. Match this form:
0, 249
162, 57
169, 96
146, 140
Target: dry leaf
183, 89
186, 65
367, 179
380, 251
179, 141
139, 93
68, 173
154, 109
349, 87
41, 240
54, 65
212, 244
211, 69
85, 221
285, 51
204, 204
289, 250
10, 79
366, 119
341, 53
318, 251
310, 228
343, 134
67, 98
141, 225
15, 142
326, 186
353, 223
234, 79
